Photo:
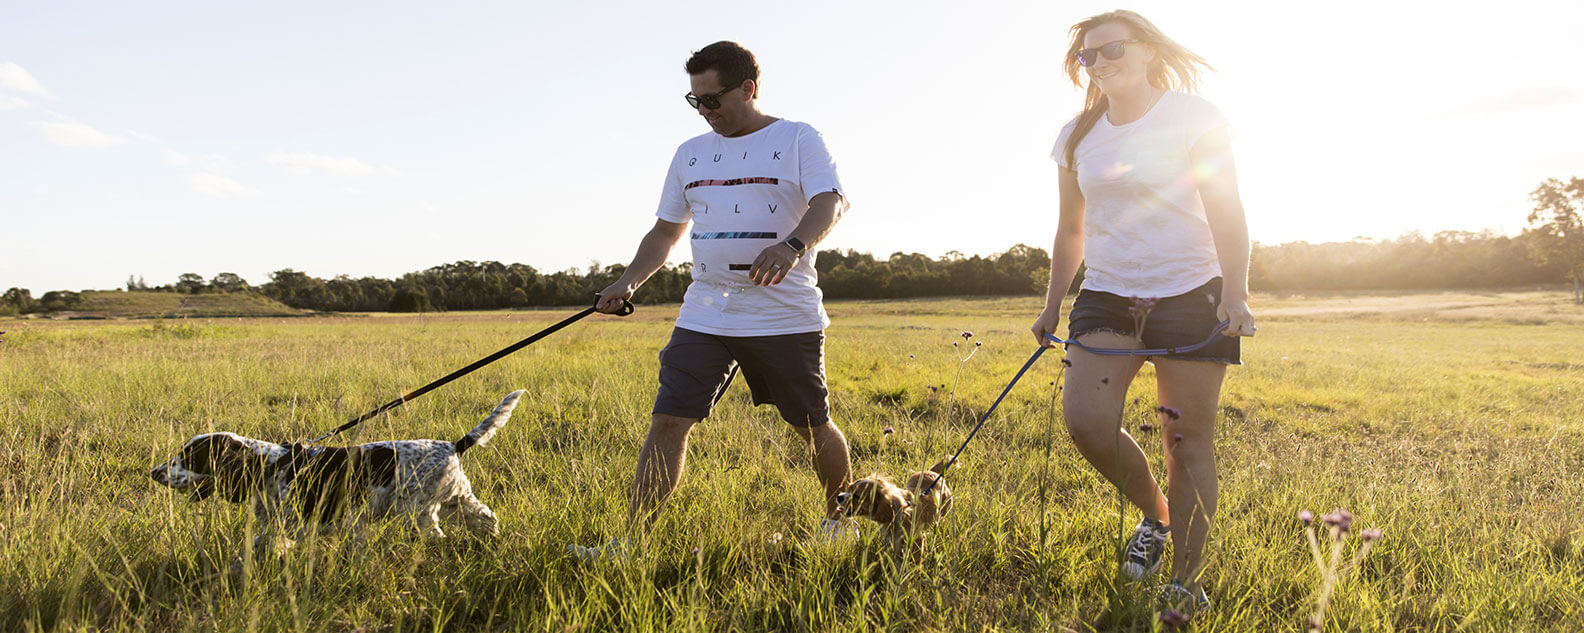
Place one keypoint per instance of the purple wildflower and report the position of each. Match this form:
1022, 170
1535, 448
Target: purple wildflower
1171, 619
1066, 363
1146, 427
1170, 412
1306, 516
967, 335
1177, 438
888, 430
978, 343
1371, 534
1340, 519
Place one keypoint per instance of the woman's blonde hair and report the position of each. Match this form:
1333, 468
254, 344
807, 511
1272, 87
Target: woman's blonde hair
1174, 68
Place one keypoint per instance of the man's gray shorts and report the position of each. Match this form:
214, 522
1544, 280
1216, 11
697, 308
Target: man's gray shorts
787, 371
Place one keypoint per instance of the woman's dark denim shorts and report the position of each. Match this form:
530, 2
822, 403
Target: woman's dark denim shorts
1177, 321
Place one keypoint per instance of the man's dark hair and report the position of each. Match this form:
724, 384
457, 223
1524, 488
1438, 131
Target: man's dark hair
732, 63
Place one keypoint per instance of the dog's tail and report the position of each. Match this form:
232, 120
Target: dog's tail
940, 467
481, 434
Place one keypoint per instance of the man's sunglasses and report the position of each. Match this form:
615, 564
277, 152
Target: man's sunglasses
1112, 50
711, 101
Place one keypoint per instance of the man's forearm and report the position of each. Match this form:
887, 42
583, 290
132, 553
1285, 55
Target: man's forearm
652, 254
823, 213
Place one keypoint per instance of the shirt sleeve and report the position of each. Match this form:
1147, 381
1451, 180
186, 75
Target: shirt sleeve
816, 168
673, 202
1202, 117
1059, 151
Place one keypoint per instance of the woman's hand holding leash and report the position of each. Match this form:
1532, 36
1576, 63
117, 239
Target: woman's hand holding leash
1046, 324
1236, 312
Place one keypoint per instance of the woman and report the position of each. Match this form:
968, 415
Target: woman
1149, 202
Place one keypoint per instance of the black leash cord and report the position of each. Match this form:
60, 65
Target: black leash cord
627, 308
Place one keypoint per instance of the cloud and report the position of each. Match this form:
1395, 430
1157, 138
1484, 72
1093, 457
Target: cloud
13, 103
14, 78
306, 163
73, 134
141, 136
219, 186
1531, 98
177, 159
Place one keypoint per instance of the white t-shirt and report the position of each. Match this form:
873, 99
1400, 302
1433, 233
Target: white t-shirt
1145, 230
744, 194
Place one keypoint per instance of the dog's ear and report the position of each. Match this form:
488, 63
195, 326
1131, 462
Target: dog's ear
940, 467
235, 468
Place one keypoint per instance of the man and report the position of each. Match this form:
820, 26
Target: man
760, 192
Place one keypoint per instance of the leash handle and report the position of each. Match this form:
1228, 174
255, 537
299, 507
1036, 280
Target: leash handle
1215, 335
983, 419
627, 308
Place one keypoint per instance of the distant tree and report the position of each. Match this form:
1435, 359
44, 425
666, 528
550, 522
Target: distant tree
135, 282
190, 284
1556, 229
57, 300
410, 299
17, 301
228, 282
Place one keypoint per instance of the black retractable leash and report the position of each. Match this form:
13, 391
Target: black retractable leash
1215, 335
627, 308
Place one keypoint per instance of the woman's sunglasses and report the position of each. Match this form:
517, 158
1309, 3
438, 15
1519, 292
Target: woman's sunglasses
1112, 51
712, 100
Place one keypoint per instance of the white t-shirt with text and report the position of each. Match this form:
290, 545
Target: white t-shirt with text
1145, 229
744, 194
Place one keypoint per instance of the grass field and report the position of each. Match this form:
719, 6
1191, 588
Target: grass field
1453, 422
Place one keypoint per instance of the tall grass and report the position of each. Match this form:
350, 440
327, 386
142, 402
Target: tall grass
1460, 439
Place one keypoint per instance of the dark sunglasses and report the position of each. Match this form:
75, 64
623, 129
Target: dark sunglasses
1112, 50
711, 101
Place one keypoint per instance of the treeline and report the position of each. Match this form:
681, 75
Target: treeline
1411, 262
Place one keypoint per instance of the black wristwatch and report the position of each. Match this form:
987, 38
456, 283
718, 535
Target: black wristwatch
796, 245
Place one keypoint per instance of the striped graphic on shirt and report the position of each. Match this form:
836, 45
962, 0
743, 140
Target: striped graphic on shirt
735, 235
731, 183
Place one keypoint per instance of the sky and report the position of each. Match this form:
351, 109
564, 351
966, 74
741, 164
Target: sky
359, 138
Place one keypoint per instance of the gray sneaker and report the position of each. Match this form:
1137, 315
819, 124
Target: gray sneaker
1142, 557
1175, 596
614, 551
834, 532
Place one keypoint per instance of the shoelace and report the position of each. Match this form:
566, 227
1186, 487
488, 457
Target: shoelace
1145, 540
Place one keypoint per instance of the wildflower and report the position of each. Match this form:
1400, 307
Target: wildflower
776, 537
1105, 380
910, 357
1170, 412
1146, 427
1372, 534
1306, 516
1066, 363
1172, 618
954, 343
695, 551
978, 343
1177, 438
1339, 519
1140, 312
967, 335
888, 430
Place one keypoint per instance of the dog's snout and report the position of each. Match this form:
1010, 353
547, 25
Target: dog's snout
843, 497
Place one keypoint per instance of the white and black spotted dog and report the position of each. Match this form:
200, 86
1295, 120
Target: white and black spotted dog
296, 488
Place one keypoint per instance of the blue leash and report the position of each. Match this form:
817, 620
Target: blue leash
1215, 335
